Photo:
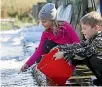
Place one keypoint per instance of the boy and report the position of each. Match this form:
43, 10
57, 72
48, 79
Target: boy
91, 49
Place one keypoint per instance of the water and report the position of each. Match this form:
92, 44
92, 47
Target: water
64, 13
12, 58
16, 47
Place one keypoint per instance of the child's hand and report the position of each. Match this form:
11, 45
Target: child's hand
24, 67
54, 48
58, 55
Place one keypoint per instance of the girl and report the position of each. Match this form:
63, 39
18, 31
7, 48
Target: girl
56, 33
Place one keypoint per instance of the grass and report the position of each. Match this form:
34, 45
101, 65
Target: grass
6, 26
19, 10
16, 24
17, 7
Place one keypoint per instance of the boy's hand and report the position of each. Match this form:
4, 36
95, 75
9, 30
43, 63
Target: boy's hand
24, 68
58, 55
54, 48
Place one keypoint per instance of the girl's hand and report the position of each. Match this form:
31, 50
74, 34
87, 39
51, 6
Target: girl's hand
58, 55
24, 67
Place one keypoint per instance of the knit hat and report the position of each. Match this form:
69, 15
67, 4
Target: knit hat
48, 12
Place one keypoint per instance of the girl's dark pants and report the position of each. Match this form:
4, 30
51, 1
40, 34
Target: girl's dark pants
48, 45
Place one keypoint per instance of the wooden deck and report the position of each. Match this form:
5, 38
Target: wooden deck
82, 77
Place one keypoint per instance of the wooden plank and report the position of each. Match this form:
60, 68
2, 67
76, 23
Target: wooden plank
81, 77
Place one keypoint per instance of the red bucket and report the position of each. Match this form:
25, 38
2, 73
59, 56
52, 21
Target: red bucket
56, 70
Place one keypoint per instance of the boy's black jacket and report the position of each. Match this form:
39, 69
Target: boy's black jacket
91, 51
88, 48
